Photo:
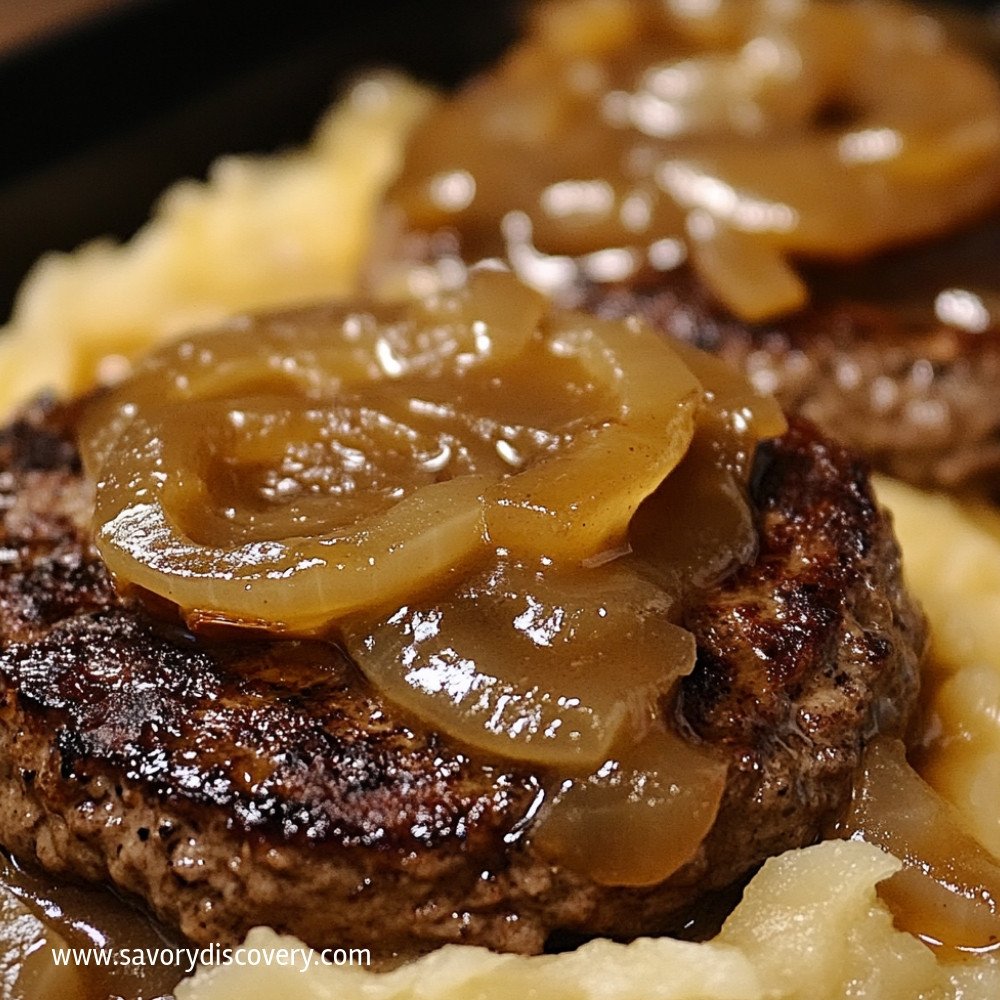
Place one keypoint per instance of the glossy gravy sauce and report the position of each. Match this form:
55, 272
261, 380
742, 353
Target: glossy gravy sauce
623, 138
38, 915
948, 893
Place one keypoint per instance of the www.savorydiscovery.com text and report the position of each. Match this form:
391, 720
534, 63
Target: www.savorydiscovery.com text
303, 959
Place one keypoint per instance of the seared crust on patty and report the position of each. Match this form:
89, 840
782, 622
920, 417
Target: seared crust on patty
235, 784
868, 361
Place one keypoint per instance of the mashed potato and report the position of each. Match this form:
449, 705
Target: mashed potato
952, 562
263, 231
294, 227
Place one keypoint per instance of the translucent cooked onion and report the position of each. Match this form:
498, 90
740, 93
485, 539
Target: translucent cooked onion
296, 582
301, 467
758, 133
525, 661
640, 817
735, 416
949, 892
560, 508
751, 279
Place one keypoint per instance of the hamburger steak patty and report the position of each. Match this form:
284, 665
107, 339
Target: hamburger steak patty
870, 361
231, 785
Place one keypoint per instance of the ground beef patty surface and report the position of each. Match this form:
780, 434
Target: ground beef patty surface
231, 785
897, 357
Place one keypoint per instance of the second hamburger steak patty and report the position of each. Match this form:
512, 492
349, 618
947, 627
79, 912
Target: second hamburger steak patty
869, 361
232, 785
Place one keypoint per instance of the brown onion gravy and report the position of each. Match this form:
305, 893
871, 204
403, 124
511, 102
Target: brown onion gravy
619, 210
622, 139
48, 914
489, 502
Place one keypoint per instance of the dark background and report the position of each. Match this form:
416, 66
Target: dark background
98, 118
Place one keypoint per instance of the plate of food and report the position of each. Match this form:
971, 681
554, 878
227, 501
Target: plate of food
445, 560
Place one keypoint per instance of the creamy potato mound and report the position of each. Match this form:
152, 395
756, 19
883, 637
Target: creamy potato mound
952, 564
294, 227
262, 232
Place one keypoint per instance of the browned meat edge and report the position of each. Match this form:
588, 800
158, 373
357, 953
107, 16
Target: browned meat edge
867, 361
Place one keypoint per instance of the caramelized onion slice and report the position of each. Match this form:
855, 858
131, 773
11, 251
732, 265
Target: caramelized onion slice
697, 526
269, 471
646, 375
341, 461
295, 583
750, 278
490, 320
319, 351
737, 416
948, 893
638, 818
819, 130
532, 664
580, 502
